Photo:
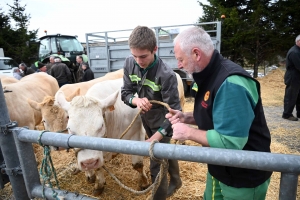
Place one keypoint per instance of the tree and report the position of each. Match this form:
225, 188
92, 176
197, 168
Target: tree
4, 30
15, 39
4, 20
286, 17
254, 31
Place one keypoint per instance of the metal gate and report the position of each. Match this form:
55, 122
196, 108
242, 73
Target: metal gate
19, 157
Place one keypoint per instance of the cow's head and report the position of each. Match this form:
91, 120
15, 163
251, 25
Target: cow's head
54, 118
86, 118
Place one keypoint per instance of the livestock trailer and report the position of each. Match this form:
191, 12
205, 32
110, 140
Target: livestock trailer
107, 50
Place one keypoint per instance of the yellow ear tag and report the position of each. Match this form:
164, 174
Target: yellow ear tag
111, 108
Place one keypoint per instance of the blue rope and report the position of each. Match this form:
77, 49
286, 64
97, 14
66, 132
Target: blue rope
47, 169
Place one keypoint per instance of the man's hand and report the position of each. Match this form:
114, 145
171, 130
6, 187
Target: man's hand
175, 116
180, 131
142, 103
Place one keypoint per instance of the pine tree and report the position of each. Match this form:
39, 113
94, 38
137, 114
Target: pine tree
5, 30
255, 31
17, 36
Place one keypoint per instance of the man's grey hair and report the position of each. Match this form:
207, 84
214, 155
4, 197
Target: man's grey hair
23, 65
194, 37
297, 39
15, 69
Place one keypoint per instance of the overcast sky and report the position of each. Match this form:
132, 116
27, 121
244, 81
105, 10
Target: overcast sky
77, 17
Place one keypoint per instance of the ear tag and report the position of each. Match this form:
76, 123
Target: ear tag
111, 108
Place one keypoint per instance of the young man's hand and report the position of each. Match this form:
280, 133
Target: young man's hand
142, 103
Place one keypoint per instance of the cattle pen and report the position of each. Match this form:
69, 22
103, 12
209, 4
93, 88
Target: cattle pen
20, 163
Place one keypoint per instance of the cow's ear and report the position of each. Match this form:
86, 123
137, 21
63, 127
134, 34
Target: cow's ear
35, 105
109, 101
61, 101
74, 94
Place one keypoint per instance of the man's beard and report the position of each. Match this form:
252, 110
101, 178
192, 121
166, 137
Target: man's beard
192, 67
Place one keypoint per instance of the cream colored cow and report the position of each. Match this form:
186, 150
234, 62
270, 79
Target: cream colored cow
86, 118
70, 89
7, 79
35, 86
55, 118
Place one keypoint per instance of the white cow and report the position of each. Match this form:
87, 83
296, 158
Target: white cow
86, 119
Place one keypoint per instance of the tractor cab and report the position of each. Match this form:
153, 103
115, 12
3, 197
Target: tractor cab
63, 45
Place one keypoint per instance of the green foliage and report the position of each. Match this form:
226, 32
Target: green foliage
255, 31
17, 41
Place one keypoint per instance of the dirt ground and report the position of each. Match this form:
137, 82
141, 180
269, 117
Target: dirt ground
285, 136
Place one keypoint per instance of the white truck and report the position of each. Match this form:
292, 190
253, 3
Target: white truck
7, 64
107, 50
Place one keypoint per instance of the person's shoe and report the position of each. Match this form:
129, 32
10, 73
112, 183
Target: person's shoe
175, 180
173, 188
291, 118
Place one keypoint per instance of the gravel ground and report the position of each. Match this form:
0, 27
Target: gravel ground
282, 130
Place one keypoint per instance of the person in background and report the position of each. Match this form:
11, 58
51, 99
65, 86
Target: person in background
79, 72
292, 82
50, 64
42, 67
17, 73
25, 70
146, 75
88, 74
61, 72
34, 66
228, 112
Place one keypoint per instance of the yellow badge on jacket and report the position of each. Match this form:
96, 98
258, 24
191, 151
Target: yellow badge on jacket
206, 96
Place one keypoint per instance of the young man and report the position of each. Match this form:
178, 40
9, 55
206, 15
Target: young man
292, 82
150, 78
228, 112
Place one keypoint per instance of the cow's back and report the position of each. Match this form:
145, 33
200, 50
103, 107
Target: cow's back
7, 79
36, 87
105, 88
69, 89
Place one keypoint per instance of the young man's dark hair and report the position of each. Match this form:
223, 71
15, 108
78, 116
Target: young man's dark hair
142, 38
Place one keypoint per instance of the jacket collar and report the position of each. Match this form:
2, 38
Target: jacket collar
213, 65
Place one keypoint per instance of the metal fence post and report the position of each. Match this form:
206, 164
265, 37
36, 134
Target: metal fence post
288, 186
9, 152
